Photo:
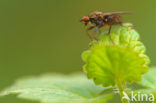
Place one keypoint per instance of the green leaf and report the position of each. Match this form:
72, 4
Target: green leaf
54, 88
149, 79
146, 87
119, 58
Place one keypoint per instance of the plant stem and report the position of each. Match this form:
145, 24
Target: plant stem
121, 90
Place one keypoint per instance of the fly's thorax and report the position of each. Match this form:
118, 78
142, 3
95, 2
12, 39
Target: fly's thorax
98, 20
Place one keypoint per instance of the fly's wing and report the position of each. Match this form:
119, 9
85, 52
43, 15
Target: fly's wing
116, 13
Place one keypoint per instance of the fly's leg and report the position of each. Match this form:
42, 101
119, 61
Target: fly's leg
94, 33
90, 28
110, 27
119, 21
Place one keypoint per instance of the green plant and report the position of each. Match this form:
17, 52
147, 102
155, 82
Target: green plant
118, 60
113, 64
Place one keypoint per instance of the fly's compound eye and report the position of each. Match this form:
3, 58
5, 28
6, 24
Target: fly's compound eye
85, 19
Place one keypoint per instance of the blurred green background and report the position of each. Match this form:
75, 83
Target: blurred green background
41, 36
